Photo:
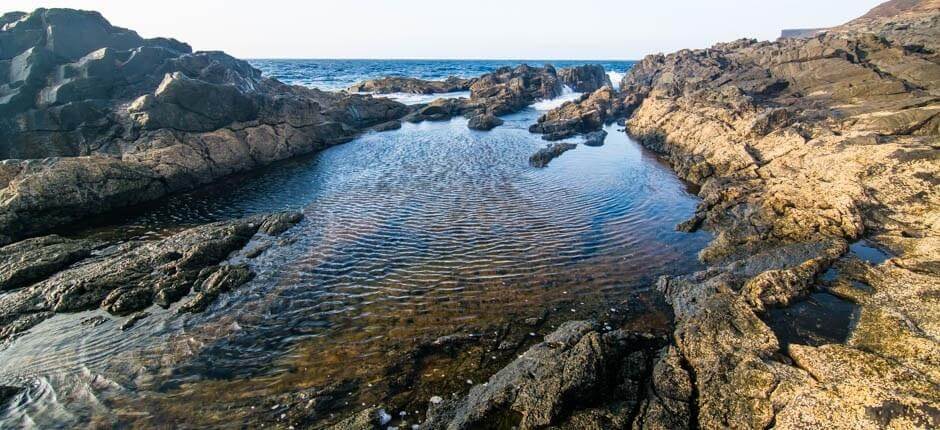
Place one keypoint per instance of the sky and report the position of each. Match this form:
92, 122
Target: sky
471, 29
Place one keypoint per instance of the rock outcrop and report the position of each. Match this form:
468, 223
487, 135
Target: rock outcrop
801, 146
545, 155
587, 114
93, 118
579, 377
399, 84
509, 90
50, 274
585, 79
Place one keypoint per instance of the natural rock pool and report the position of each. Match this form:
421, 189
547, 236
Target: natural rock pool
409, 236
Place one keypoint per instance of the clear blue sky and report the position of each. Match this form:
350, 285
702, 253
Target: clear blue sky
497, 29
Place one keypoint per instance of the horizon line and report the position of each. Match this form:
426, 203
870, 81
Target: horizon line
437, 59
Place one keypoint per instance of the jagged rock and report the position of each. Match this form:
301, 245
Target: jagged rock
484, 121
545, 155
587, 114
134, 119
439, 110
595, 138
585, 79
509, 90
127, 278
799, 146
32, 260
563, 382
397, 84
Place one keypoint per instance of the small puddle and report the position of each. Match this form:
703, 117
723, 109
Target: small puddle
867, 251
820, 319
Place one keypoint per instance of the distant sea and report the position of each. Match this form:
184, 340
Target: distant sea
339, 74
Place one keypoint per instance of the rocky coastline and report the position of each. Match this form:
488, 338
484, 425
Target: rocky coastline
807, 153
801, 148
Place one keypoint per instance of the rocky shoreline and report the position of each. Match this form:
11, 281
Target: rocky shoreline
800, 147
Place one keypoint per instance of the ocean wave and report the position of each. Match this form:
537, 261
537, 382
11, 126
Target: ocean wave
567, 95
615, 78
413, 99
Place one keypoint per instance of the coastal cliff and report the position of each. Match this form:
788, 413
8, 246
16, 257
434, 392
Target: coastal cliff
94, 118
801, 148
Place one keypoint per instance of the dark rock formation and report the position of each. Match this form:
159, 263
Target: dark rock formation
127, 278
484, 121
397, 84
129, 119
549, 153
587, 114
509, 90
7, 392
595, 138
579, 377
585, 79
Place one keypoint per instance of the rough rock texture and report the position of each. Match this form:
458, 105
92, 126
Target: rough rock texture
484, 121
585, 79
397, 84
509, 90
589, 113
52, 277
127, 119
579, 377
801, 146
545, 155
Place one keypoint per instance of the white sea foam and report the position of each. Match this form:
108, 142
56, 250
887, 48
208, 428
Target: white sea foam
413, 99
567, 95
615, 78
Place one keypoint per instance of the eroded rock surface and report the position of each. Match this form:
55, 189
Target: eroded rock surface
586, 78
93, 117
545, 155
800, 147
52, 277
579, 377
587, 114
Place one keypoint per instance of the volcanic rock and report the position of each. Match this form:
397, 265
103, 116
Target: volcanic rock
585, 79
549, 153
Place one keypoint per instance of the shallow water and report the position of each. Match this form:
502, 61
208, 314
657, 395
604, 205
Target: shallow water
408, 235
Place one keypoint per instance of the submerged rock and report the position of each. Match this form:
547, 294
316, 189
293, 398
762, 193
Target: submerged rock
7, 393
549, 153
127, 278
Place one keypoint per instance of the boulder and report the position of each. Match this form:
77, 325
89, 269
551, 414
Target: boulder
585, 79
484, 121
545, 155
589, 113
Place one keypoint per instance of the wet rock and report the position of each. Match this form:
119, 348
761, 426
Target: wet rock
585, 79
484, 122
32, 260
587, 114
563, 381
439, 110
133, 319
136, 275
397, 84
549, 153
509, 90
222, 280
595, 138
368, 418
7, 393
387, 126
127, 120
